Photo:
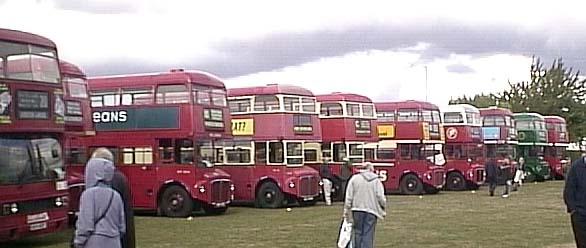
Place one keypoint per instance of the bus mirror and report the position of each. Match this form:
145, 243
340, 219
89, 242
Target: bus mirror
206, 164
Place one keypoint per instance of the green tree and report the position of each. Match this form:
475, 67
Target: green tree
557, 90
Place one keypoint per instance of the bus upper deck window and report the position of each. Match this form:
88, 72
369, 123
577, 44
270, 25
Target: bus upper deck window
172, 94
368, 110
353, 109
331, 109
291, 103
308, 105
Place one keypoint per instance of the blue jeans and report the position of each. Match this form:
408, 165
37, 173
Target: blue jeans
364, 226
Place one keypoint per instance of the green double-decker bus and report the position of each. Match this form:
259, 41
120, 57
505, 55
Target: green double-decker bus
532, 137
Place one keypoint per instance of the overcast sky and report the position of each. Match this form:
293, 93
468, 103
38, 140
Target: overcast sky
381, 49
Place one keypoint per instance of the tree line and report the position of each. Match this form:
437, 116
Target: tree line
557, 90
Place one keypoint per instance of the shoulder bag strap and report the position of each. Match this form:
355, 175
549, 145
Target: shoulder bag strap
105, 211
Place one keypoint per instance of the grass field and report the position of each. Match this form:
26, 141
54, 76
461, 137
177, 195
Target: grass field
533, 217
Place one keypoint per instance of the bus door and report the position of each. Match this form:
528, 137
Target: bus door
241, 167
137, 164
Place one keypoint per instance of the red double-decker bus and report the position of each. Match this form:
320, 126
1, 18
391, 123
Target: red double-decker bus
558, 139
464, 149
78, 124
500, 136
276, 132
348, 121
163, 129
32, 177
408, 156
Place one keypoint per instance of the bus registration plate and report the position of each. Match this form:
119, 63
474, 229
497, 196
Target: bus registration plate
308, 199
38, 226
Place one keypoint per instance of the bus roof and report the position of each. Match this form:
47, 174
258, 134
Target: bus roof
494, 110
460, 108
554, 119
172, 76
24, 37
412, 104
339, 96
270, 89
70, 69
526, 115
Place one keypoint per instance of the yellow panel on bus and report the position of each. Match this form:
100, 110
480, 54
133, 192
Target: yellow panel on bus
386, 131
425, 129
242, 126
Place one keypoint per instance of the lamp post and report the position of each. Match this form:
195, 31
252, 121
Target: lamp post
425, 66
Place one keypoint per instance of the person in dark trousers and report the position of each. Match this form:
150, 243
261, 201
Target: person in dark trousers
120, 184
575, 199
327, 179
345, 174
365, 203
491, 175
506, 172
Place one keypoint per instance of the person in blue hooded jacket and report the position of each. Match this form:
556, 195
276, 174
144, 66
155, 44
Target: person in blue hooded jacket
101, 211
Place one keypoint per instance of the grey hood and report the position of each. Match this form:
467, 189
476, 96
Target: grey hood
98, 170
369, 175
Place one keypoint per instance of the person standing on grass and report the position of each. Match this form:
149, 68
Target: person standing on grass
101, 210
327, 179
365, 203
491, 175
506, 172
120, 184
519, 171
345, 174
575, 199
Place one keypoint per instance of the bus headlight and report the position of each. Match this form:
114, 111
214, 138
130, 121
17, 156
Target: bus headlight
291, 185
8, 208
202, 189
232, 188
471, 174
58, 202
428, 176
321, 183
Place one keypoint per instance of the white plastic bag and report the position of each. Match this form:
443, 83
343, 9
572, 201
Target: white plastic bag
345, 234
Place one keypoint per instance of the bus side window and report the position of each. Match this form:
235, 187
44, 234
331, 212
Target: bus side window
385, 154
368, 154
405, 152
339, 152
260, 152
276, 152
183, 151
166, 151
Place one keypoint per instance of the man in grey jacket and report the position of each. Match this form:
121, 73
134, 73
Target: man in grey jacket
365, 199
101, 210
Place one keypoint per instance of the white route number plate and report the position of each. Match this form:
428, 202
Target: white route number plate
38, 226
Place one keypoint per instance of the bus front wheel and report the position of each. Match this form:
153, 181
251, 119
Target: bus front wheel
269, 196
455, 181
176, 202
411, 185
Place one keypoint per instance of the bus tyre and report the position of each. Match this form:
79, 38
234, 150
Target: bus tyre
530, 177
211, 210
455, 181
411, 185
269, 196
176, 202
